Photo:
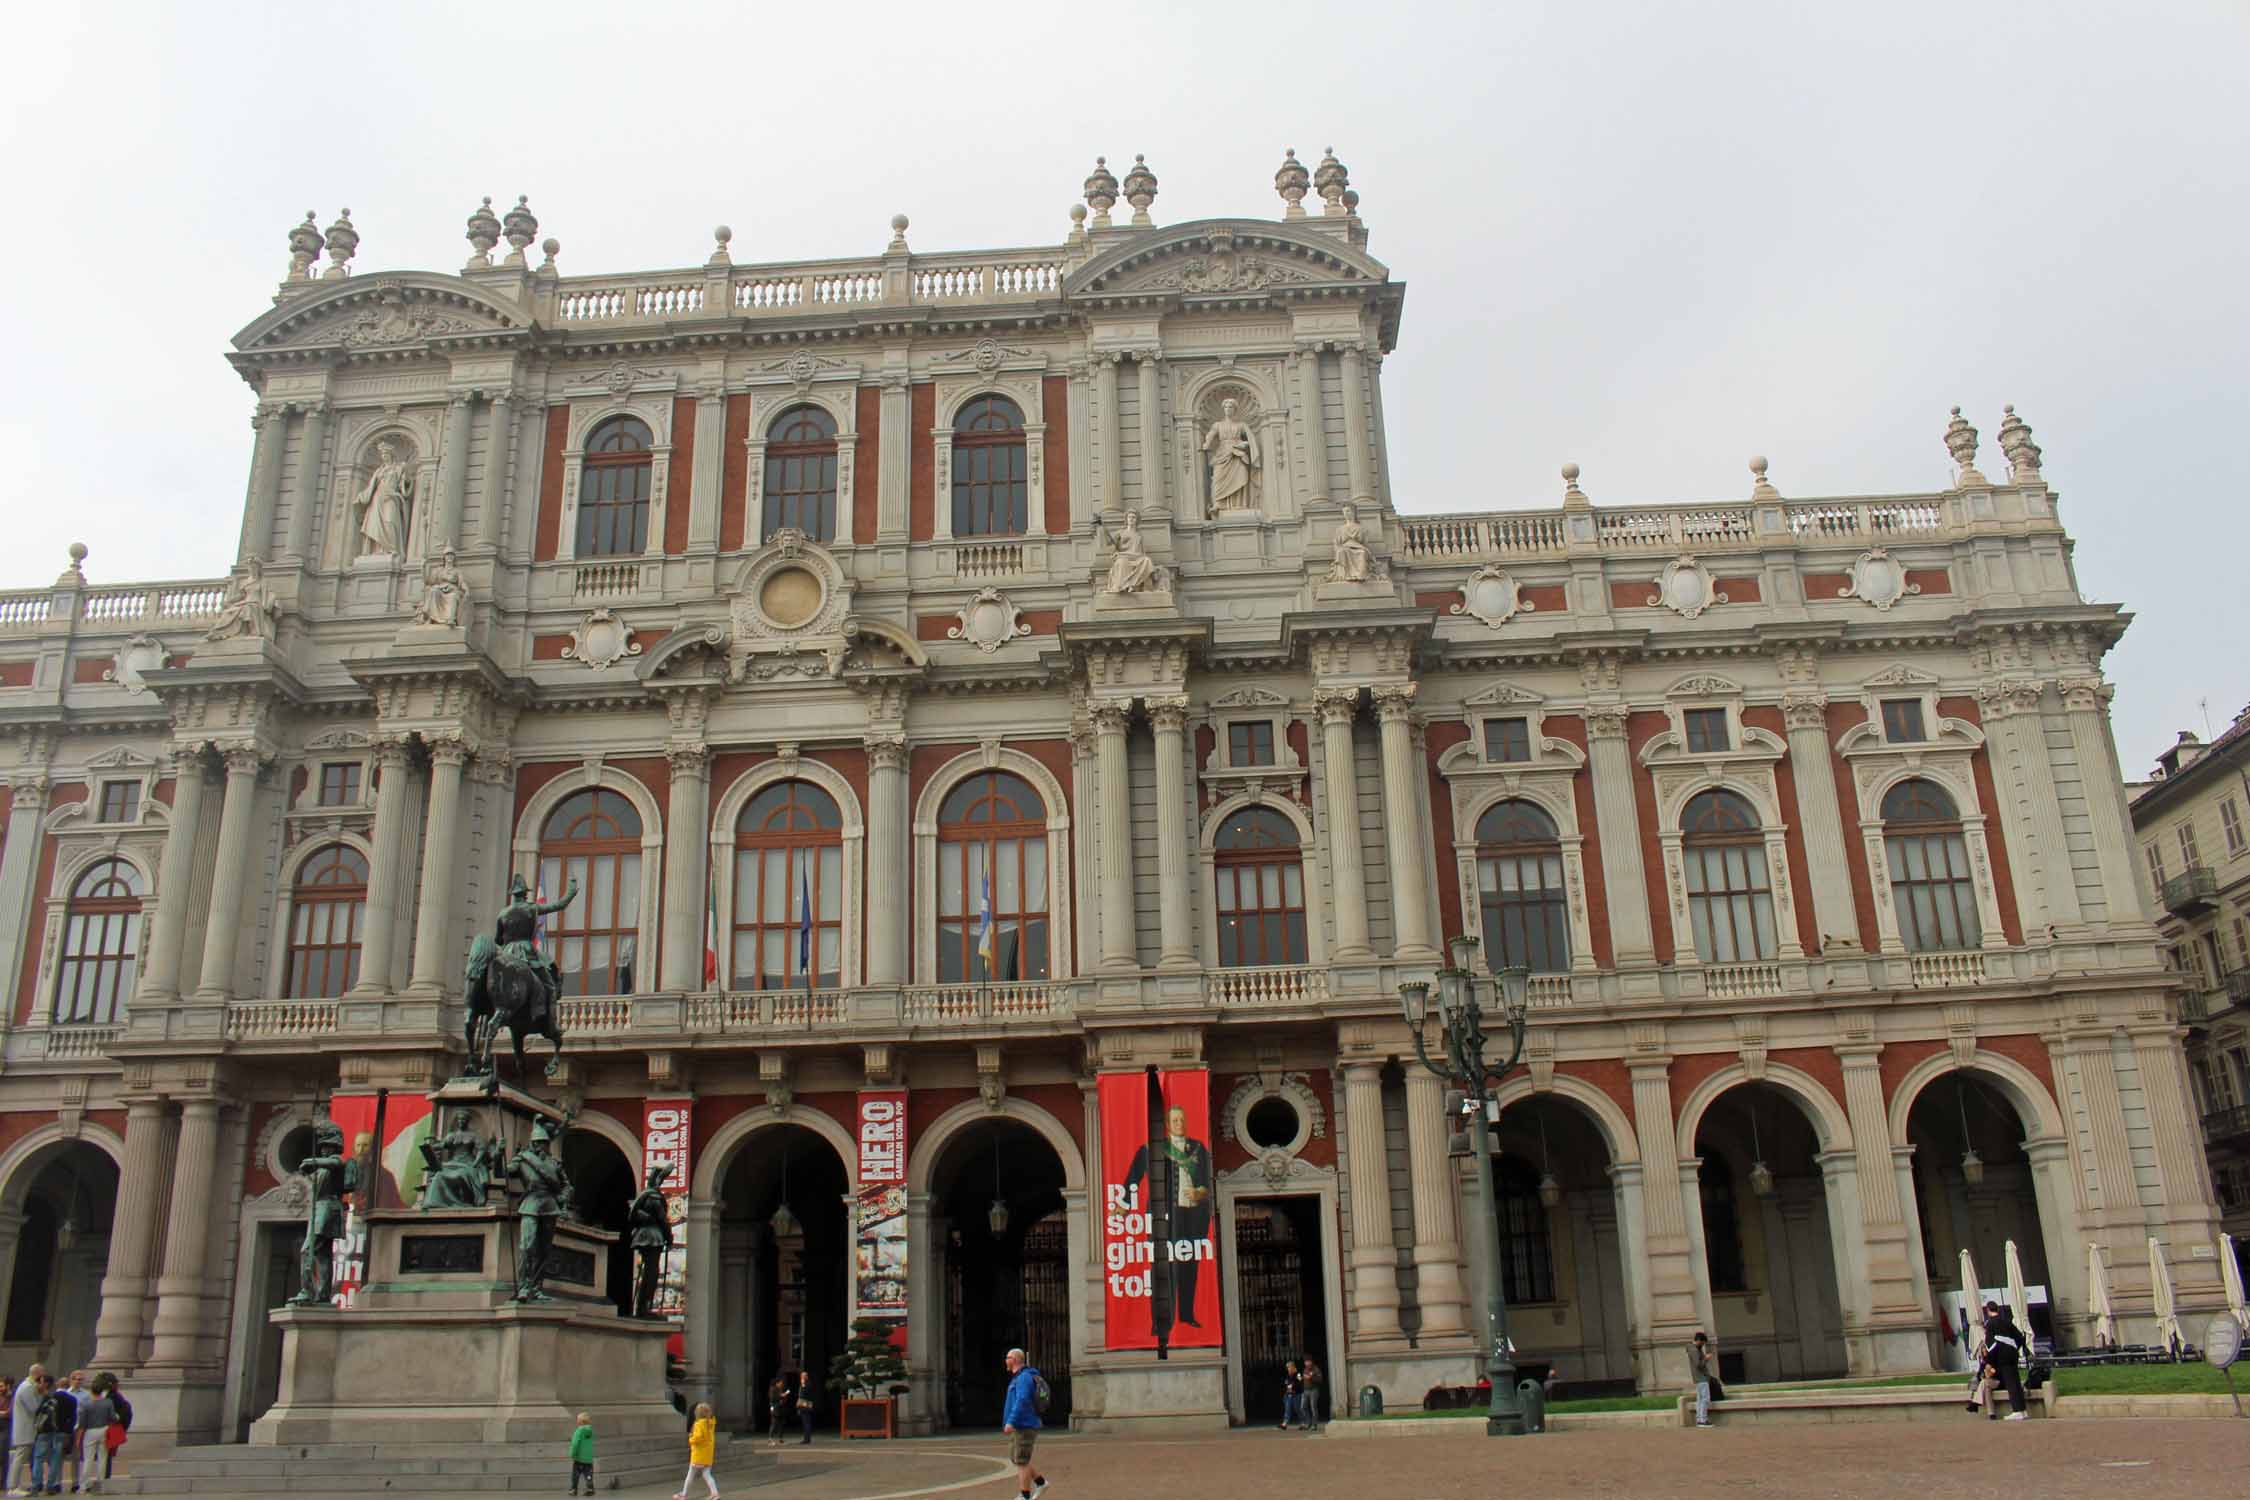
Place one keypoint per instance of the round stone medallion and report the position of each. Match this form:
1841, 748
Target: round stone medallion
790, 597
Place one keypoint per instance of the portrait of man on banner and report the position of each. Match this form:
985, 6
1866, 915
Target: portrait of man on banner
1160, 1259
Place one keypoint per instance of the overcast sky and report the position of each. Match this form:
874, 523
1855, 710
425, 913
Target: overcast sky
1653, 239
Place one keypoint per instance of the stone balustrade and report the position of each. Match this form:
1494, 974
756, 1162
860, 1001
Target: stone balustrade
1945, 970
1301, 984
792, 288
281, 1020
1656, 530
128, 608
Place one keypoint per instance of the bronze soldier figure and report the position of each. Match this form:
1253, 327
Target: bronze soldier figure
546, 1190
652, 1236
333, 1175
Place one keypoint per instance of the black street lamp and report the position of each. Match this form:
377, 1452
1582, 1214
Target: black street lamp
1462, 1018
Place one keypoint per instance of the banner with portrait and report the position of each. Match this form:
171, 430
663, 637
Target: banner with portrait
666, 1125
1160, 1261
879, 1216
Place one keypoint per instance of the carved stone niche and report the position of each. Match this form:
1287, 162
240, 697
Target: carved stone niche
143, 653
988, 622
1878, 580
602, 639
1250, 412
1490, 595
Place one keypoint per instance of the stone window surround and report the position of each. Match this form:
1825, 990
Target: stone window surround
1234, 1113
840, 400
1029, 396
1311, 853
77, 851
121, 764
992, 756
728, 809
285, 903
525, 850
1748, 770
649, 401
1548, 781
1251, 706
353, 448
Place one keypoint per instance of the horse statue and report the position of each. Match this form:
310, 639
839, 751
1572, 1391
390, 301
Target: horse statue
511, 983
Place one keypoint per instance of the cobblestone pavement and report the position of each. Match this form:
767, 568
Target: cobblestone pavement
1963, 1460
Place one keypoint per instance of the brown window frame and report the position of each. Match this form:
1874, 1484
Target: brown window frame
1508, 842
1734, 849
344, 778
1250, 742
569, 854
805, 826
989, 433
121, 801
1269, 931
800, 477
1901, 715
616, 488
1926, 856
93, 980
959, 831
331, 887
1504, 737
1696, 730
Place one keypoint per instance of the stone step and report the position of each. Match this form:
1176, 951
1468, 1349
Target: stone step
237, 1458
434, 1468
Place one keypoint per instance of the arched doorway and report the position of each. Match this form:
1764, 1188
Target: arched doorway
66, 1193
1768, 1254
1975, 1188
1562, 1246
784, 1272
1002, 1237
603, 1181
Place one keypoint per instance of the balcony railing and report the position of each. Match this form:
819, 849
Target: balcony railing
2235, 986
1742, 981
280, 1020
1651, 530
134, 607
1549, 991
1299, 984
813, 286
1938, 971
596, 1015
75, 1043
2191, 892
2226, 1124
971, 1004
766, 1010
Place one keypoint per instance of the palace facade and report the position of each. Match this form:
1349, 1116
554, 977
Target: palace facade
956, 682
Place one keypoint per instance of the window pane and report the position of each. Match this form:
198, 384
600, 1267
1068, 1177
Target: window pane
952, 859
1035, 874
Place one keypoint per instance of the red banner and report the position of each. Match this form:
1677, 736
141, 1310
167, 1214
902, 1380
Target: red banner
1159, 1203
879, 1222
665, 1130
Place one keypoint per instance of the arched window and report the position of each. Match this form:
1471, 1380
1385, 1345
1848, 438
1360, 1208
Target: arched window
1729, 898
801, 473
1722, 1225
594, 838
788, 862
326, 910
992, 880
1527, 1270
1260, 871
1520, 889
991, 495
1931, 887
613, 489
101, 944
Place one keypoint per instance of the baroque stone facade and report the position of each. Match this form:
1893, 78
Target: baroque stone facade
1035, 639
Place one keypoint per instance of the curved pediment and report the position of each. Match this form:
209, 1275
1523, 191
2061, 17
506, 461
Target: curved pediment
388, 310
1223, 257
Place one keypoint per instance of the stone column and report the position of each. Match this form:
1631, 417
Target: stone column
700, 1333
1806, 714
887, 859
1173, 816
687, 857
433, 922
231, 876
272, 426
1153, 500
304, 500
893, 480
1402, 826
1897, 1322
2086, 705
1337, 708
1111, 475
1673, 1270
2116, 1198
444, 528
1113, 789
378, 934
1618, 827
1312, 481
132, 1237
27, 806
1358, 455
2173, 1130
1437, 1219
499, 466
709, 470
1374, 1257
2046, 886
180, 1287
160, 970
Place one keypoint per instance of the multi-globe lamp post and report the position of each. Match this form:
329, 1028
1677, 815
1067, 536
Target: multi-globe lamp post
1461, 1020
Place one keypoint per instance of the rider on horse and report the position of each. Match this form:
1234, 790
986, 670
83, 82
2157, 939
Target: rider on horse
515, 944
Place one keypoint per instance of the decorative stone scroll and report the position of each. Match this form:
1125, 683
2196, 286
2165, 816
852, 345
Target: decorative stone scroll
1878, 580
988, 622
601, 640
1491, 596
1686, 587
141, 654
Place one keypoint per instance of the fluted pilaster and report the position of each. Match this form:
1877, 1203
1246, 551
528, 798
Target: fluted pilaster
1346, 873
1374, 1257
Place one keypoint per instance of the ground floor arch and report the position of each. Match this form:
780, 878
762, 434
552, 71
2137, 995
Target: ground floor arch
603, 1182
1564, 1242
58, 1201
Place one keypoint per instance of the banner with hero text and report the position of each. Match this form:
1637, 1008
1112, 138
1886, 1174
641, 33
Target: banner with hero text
665, 1129
1159, 1260
879, 1221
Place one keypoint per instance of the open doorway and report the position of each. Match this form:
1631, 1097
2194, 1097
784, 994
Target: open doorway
1976, 1189
1767, 1249
1280, 1283
67, 1196
785, 1268
603, 1183
1562, 1246
1006, 1275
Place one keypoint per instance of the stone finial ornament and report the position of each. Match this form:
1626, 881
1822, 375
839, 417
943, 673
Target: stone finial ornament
1572, 496
1140, 189
898, 234
1762, 489
1077, 224
304, 248
1292, 182
550, 247
76, 572
522, 227
483, 235
1330, 179
719, 256
1101, 192
1961, 442
2015, 441
343, 242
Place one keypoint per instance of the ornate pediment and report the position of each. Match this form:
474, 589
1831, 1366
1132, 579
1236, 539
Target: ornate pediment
1216, 257
1501, 693
1251, 697
388, 311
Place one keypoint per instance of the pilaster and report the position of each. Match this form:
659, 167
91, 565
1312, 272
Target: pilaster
393, 797
1437, 1220
1632, 937
1168, 718
1804, 711
1337, 708
1119, 944
232, 876
304, 500
441, 864
1404, 791
132, 1236
1374, 1259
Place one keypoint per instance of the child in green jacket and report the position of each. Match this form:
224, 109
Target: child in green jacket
582, 1453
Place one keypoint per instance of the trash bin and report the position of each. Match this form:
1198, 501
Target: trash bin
1532, 1397
1370, 1400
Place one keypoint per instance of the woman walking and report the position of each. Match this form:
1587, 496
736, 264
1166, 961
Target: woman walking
702, 1450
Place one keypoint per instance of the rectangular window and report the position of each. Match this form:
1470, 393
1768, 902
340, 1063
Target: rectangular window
2155, 867
2189, 859
2241, 943
1902, 721
339, 784
1507, 739
2230, 823
1707, 729
1250, 744
121, 801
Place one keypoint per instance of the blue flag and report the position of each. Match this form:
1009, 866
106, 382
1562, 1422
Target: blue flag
985, 935
804, 925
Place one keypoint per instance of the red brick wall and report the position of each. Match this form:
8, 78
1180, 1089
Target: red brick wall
680, 480
921, 495
1800, 865
85, 669
1640, 728
1995, 826
734, 475
42, 887
548, 647
1055, 401
546, 542
1742, 590
1841, 717
1441, 737
1930, 580
867, 461
1571, 728
16, 674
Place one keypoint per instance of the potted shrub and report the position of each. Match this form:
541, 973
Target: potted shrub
869, 1376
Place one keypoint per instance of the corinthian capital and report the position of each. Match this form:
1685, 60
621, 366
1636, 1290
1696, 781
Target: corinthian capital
2086, 695
885, 752
1606, 722
1394, 700
1336, 705
1168, 713
1803, 708
688, 758
1112, 717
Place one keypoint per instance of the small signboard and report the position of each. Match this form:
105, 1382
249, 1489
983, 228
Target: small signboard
866, 1419
2222, 1346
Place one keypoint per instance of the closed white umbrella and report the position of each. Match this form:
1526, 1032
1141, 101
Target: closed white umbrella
2230, 1269
2160, 1294
2019, 1296
2097, 1294
1972, 1291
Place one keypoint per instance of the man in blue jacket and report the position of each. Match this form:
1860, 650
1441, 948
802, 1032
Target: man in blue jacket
1019, 1419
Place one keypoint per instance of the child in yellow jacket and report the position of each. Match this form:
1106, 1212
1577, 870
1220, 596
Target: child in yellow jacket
702, 1448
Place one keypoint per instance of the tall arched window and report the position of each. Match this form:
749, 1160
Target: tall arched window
801, 473
1260, 870
101, 944
992, 880
1527, 1269
1520, 889
788, 860
1932, 889
614, 485
1722, 1225
1729, 898
991, 492
326, 910
594, 838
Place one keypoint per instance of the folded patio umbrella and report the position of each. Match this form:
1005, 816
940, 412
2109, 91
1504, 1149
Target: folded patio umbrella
2019, 1296
1973, 1291
2230, 1269
2160, 1294
2097, 1297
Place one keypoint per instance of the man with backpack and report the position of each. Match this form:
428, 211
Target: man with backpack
1028, 1396
53, 1429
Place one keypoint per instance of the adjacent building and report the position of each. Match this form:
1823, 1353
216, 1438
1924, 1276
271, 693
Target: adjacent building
985, 700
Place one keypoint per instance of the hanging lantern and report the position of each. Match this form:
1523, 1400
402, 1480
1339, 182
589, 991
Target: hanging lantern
1761, 1175
66, 1233
1550, 1191
785, 1223
1972, 1167
997, 1217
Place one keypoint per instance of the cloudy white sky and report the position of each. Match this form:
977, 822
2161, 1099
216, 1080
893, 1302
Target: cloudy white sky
1653, 239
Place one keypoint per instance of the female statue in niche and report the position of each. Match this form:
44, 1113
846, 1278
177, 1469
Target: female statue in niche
1233, 451
1350, 565
443, 590
1132, 570
384, 502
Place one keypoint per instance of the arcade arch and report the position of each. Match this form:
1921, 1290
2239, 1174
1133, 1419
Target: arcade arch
1564, 1238
58, 1202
